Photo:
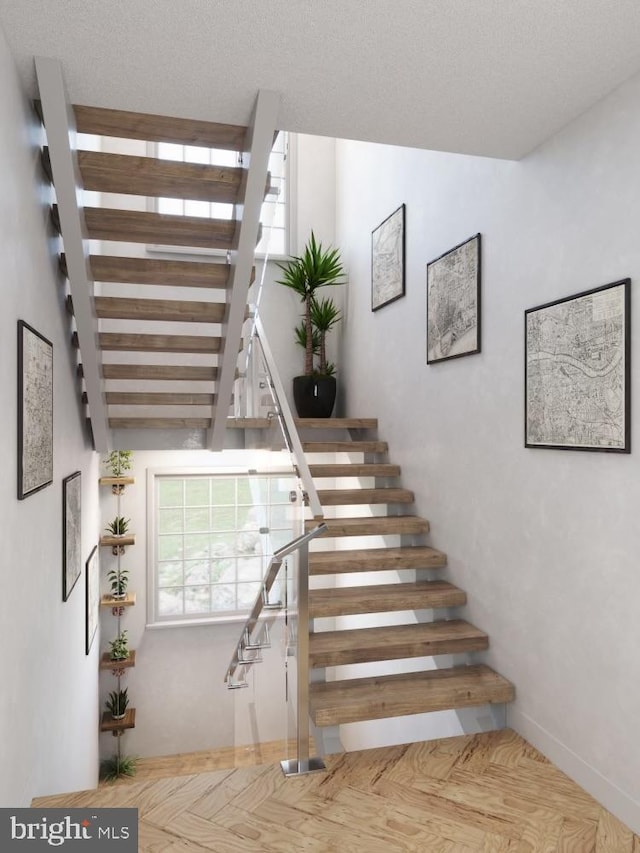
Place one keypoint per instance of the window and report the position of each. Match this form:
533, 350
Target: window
213, 536
274, 209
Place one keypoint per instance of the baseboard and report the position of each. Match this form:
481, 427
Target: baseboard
602, 789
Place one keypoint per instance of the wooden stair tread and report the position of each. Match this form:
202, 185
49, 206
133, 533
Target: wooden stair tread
345, 446
392, 642
135, 226
172, 310
343, 497
160, 423
336, 423
157, 398
155, 128
376, 559
156, 271
373, 525
380, 598
377, 697
355, 469
149, 176
159, 343
160, 372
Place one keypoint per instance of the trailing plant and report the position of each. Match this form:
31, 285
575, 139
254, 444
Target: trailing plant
116, 766
119, 648
117, 703
119, 525
119, 581
118, 461
305, 274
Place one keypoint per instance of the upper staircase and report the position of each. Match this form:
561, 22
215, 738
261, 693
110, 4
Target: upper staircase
158, 336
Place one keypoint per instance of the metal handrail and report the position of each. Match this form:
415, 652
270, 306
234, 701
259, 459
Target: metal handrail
288, 424
262, 597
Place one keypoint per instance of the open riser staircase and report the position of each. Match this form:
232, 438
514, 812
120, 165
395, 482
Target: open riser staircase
158, 333
374, 565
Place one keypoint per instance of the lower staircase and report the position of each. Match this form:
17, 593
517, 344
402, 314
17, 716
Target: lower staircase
383, 578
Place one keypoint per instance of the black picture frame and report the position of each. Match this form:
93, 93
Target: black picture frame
577, 371
454, 302
388, 259
71, 532
92, 597
35, 411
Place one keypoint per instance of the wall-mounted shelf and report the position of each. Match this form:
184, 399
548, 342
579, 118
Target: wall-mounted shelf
116, 603
127, 663
108, 724
117, 543
117, 481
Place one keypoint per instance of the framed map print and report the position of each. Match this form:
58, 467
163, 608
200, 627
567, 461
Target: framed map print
71, 532
453, 302
387, 260
35, 411
577, 371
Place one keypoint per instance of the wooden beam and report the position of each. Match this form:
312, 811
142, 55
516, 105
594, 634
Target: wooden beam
155, 128
159, 343
259, 144
160, 423
148, 176
135, 226
159, 398
159, 271
159, 372
115, 308
60, 127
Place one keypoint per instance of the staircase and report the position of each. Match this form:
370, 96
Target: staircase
348, 700
158, 336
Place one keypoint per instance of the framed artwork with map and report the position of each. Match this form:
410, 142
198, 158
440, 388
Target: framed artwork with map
387, 260
453, 302
35, 411
578, 371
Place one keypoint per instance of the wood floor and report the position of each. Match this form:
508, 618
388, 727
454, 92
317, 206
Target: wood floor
489, 793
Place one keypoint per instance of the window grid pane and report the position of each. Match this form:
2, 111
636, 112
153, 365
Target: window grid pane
211, 548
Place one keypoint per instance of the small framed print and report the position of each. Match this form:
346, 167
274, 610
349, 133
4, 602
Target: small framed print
92, 597
578, 371
387, 260
453, 302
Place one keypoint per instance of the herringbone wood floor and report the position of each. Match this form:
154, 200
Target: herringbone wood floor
489, 793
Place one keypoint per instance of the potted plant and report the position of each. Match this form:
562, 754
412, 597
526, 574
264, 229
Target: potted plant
314, 392
119, 581
118, 461
116, 766
119, 648
119, 526
117, 703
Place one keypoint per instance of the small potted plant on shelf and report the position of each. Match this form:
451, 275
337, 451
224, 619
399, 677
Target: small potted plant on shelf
119, 581
119, 526
117, 462
314, 392
119, 648
117, 704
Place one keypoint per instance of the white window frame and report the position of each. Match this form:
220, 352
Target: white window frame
291, 186
153, 620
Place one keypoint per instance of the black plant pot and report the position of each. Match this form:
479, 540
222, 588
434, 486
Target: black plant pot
314, 396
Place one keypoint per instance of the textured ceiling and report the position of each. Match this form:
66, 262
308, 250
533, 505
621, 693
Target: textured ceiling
491, 77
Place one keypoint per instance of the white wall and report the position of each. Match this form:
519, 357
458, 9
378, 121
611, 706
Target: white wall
49, 695
544, 542
177, 685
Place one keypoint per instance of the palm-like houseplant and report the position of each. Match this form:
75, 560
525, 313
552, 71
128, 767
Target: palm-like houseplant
314, 392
